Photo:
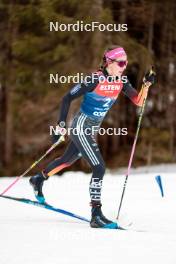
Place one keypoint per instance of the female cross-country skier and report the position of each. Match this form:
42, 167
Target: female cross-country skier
99, 94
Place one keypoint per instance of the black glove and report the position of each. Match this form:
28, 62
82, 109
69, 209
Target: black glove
55, 138
59, 132
150, 77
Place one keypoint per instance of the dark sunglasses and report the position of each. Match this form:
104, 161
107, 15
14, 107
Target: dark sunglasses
120, 63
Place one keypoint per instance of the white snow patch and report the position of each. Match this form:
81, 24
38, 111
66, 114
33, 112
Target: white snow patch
34, 235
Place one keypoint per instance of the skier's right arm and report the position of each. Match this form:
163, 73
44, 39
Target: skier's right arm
77, 91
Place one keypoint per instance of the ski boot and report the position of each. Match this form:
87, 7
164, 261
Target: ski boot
98, 220
37, 183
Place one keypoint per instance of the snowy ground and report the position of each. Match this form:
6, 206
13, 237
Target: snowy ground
34, 235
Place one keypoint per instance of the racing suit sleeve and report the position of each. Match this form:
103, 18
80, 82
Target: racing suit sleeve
77, 91
133, 95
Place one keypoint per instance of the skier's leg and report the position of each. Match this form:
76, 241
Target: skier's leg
87, 146
69, 157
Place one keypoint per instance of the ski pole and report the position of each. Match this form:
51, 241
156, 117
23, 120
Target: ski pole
61, 139
133, 149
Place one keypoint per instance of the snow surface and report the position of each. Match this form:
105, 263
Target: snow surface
33, 235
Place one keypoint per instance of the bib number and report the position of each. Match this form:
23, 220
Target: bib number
107, 104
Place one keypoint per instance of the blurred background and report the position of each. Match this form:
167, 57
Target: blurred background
29, 52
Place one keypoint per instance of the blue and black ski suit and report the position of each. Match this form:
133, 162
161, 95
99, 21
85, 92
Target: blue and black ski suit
99, 95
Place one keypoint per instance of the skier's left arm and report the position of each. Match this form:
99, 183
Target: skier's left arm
133, 95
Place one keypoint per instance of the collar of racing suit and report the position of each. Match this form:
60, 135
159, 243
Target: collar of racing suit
106, 74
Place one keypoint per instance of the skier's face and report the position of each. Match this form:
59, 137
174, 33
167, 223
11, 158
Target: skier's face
117, 67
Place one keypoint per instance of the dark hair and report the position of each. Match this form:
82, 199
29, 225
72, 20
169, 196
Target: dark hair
103, 62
